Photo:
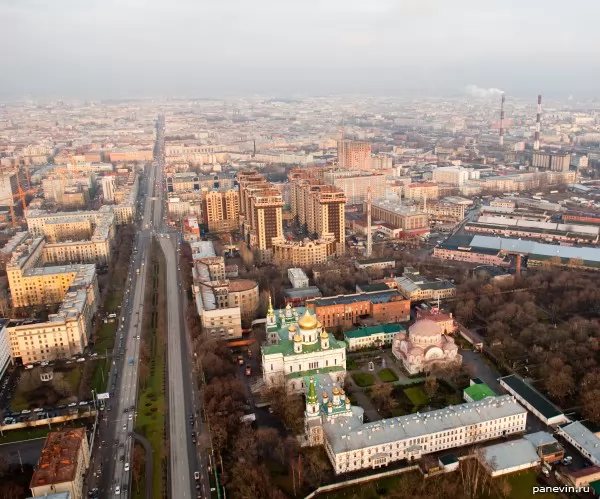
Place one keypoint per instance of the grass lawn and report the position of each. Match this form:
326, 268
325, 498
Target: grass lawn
105, 339
351, 365
24, 434
31, 391
152, 405
522, 485
387, 375
100, 375
416, 395
363, 379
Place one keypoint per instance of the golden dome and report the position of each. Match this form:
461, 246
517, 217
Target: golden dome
308, 321
319, 324
288, 306
336, 391
342, 392
325, 395
324, 335
297, 338
330, 404
292, 328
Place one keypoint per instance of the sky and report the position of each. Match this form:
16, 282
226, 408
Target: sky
205, 48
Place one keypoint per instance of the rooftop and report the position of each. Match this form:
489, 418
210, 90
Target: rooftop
479, 391
584, 438
348, 434
300, 293
58, 462
511, 454
531, 395
374, 297
371, 330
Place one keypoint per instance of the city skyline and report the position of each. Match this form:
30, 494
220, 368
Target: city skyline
158, 49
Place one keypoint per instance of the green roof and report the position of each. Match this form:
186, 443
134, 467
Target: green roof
312, 372
286, 347
532, 396
596, 486
368, 331
479, 392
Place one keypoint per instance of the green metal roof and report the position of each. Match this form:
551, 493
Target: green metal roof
596, 486
312, 372
368, 331
531, 395
479, 392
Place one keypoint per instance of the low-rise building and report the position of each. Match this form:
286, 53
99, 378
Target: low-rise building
372, 336
417, 287
509, 457
585, 441
304, 253
298, 278
477, 391
297, 297
62, 465
347, 310
533, 400
375, 263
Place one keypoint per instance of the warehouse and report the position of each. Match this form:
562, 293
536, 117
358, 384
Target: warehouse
509, 457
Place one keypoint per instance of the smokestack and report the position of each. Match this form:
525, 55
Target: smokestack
369, 234
502, 121
538, 125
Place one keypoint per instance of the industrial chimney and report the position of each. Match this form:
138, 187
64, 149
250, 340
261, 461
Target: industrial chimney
538, 125
369, 233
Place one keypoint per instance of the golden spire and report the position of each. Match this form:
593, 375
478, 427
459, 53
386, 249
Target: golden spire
270, 311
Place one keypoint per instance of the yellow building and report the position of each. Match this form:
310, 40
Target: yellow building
304, 253
422, 190
62, 465
221, 210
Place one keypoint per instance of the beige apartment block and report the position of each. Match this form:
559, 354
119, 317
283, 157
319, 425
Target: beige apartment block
353, 155
62, 465
221, 210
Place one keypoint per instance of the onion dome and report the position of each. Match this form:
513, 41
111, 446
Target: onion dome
336, 390
298, 338
324, 335
292, 329
308, 321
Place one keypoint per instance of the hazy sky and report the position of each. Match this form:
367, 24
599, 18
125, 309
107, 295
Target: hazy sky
129, 48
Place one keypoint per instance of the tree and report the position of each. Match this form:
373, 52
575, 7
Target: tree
430, 386
138, 464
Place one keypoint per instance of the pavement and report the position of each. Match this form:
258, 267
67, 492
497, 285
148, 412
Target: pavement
26, 452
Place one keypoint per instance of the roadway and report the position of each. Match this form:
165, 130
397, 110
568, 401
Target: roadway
186, 457
114, 441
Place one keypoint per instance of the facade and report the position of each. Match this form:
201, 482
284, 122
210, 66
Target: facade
297, 297
318, 209
443, 211
372, 336
298, 346
298, 278
399, 216
62, 465
304, 253
425, 347
8, 188
446, 322
417, 287
452, 175
558, 162
124, 155
352, 445
260, 213
375, 263
354, 155
346, 310
221, 210
356, 183
108, 188
463, 249
186, 182
5, 350
422, 190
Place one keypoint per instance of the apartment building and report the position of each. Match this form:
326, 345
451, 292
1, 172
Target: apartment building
422, 190
443, 211
355, 184
131, 154
305, 253
318, 209
221, 210
452, 175
108, 188
221, 303
62, 465
8, 188
353, 155
187, 182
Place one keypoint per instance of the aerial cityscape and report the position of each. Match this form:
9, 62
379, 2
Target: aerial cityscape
227, 272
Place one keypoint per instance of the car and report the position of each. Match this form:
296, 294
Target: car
72, 404
137, 337
130, 417
248, 370
81, 359
44, 364
193, 434
567, 460
124, 427
84, 402
126, 467
196, 475
29, 366
38, 409
117, 490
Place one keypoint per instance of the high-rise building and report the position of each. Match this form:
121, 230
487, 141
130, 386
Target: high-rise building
354, 155
261, 216
108, 188
318, 209
8, 187
221, 210
355, 184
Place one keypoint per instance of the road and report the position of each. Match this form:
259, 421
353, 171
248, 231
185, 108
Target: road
184, 403
114, 442
28, 452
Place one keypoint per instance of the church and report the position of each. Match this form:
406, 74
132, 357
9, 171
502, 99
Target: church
425, 346
298, 346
